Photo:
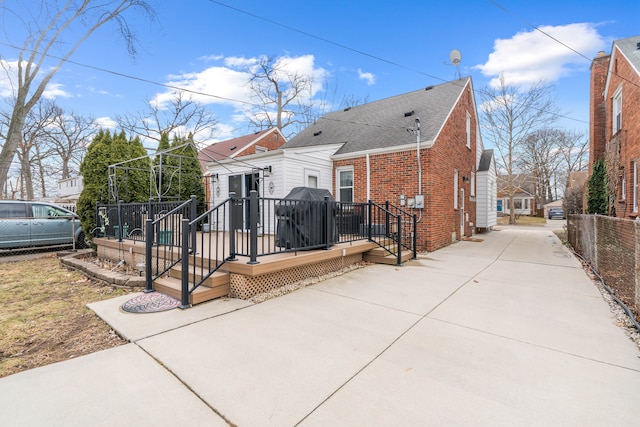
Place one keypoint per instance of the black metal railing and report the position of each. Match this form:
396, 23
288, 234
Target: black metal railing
250, 227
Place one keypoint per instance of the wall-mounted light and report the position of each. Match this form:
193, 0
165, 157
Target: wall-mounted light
465, 178
267, 171
214, 177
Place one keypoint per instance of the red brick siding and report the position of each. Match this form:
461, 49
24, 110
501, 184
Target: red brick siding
597, 113
628, 78
271, 142
394, 174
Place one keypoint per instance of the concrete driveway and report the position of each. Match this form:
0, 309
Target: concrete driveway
506, 331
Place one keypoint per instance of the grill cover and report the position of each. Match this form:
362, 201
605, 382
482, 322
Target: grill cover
302, 219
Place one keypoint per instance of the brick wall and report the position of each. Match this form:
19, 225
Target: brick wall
394, 174
271, 142
597, 113
627, 78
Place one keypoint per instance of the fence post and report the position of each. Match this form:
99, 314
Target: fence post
185, 265
232, 227
253, 227
148, 256
595, 244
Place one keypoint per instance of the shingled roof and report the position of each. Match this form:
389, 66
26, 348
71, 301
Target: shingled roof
630, 47
385, 123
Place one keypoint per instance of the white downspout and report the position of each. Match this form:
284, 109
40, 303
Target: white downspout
368, 178
418, 155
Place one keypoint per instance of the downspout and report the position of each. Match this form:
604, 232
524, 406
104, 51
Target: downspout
418, 155
368, 178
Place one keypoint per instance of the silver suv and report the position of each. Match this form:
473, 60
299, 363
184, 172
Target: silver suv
25, 224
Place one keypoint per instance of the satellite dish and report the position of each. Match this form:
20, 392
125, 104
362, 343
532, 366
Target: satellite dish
455, 56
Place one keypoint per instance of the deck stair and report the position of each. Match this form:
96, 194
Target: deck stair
216, 285
380, 255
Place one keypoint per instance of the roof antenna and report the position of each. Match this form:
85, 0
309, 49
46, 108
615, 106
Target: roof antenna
455, 57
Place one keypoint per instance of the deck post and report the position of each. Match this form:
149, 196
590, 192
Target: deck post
148, 256
253, 227
387, 222
184, 303
120, 229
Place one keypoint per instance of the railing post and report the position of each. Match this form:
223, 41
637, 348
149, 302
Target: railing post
120, 229
327, 221
253, 227
399, 246
369, 220
148, 256
415, 236
185, 265
387, 221
193, 214
232, 227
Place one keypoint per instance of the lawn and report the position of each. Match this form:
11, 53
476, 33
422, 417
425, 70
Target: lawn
523, 220
44, 318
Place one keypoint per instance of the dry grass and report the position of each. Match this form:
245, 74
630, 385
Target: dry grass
523, 220
44, 318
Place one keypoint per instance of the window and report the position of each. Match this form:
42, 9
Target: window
617, 112
311, 178
312, 181
526, 204
635, 186
345, 185
468, 130
623, 186
517, 203
455, 189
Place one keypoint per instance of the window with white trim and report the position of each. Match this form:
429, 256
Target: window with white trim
344, 183
311, 178
616, 115
455, 189
623, 185
473, 184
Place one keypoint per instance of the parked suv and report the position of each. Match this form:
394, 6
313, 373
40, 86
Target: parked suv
556, 213
24, 224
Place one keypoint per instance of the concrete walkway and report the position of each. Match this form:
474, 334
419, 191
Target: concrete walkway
507, 331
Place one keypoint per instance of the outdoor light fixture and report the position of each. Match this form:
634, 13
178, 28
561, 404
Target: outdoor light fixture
465, 178
267, 171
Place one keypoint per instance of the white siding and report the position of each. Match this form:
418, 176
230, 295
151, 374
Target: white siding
486, 191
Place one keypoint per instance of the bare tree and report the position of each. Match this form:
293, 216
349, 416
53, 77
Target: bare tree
508, 116
68, 137
282, 98
181, 117
47, 26
541, 155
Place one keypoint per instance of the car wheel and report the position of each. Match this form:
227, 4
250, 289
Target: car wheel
81, 243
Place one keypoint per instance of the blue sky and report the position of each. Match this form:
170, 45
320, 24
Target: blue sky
367, 50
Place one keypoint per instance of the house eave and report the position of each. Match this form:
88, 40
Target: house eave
386, 150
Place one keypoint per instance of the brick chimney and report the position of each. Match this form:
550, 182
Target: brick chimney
597, 110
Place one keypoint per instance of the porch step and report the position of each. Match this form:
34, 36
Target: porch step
385, 258
382, 251
214, 287
218, 278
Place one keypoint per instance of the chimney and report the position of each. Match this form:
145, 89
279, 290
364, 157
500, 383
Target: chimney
597, 104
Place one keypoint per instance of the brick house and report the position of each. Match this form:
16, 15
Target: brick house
523, 188
615, 120
420, 150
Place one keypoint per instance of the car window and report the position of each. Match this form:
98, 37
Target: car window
13, 210
47, 211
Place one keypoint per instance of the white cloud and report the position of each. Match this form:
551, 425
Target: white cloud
531, 56
54, 90
368, 77
106, 123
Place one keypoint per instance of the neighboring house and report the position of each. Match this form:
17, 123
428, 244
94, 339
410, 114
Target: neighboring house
69, 190
247, 176
486, 192
420, 150
615, 120
523, 188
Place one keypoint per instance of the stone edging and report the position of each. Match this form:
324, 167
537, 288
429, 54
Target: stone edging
74, 260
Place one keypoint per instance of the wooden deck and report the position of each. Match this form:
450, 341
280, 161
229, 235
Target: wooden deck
240, 278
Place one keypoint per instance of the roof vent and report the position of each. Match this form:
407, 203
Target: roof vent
428, 88
317, 133
638, 46
410, 113
233, 148
347, 109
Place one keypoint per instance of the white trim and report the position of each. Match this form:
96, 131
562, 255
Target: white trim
338, 187
616, 110
386, 150
455, 188
368, 177
635, 186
